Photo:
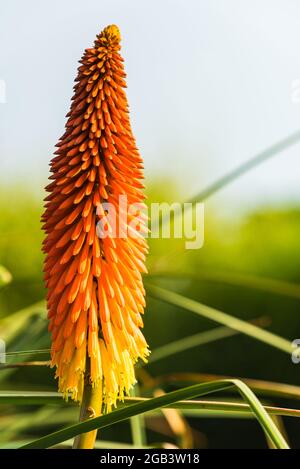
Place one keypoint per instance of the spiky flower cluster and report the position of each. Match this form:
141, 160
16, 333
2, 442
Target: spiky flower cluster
95, 291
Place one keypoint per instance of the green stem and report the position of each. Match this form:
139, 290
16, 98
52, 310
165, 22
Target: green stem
90, 408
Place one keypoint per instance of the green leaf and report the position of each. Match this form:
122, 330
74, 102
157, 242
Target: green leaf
30, 398
191, 341
261, 387
99, 444
220, 317
11, 325
162, 401
55, 399
217, 408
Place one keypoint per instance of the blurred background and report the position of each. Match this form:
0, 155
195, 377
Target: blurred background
210, 85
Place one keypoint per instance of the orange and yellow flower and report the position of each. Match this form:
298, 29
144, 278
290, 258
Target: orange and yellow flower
95, 290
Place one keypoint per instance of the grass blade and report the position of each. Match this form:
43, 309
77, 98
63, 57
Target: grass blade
30, 398
222, 318
14, 323
219, 407
202, 338
186, 343
262, 416
99, 444
162, 401
197, 406
261, 387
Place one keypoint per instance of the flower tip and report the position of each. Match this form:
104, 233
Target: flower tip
112, 33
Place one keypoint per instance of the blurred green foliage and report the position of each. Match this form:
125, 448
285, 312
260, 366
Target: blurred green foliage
263, 243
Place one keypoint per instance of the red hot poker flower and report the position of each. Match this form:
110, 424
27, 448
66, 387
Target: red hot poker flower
95, 291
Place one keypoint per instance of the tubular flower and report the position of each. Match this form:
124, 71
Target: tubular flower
95, 291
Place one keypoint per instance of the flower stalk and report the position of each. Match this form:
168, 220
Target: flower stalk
91, 406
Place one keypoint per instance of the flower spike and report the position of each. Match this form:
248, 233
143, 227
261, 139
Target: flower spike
93, 273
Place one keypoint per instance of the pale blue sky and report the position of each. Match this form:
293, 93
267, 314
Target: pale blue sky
209, 85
